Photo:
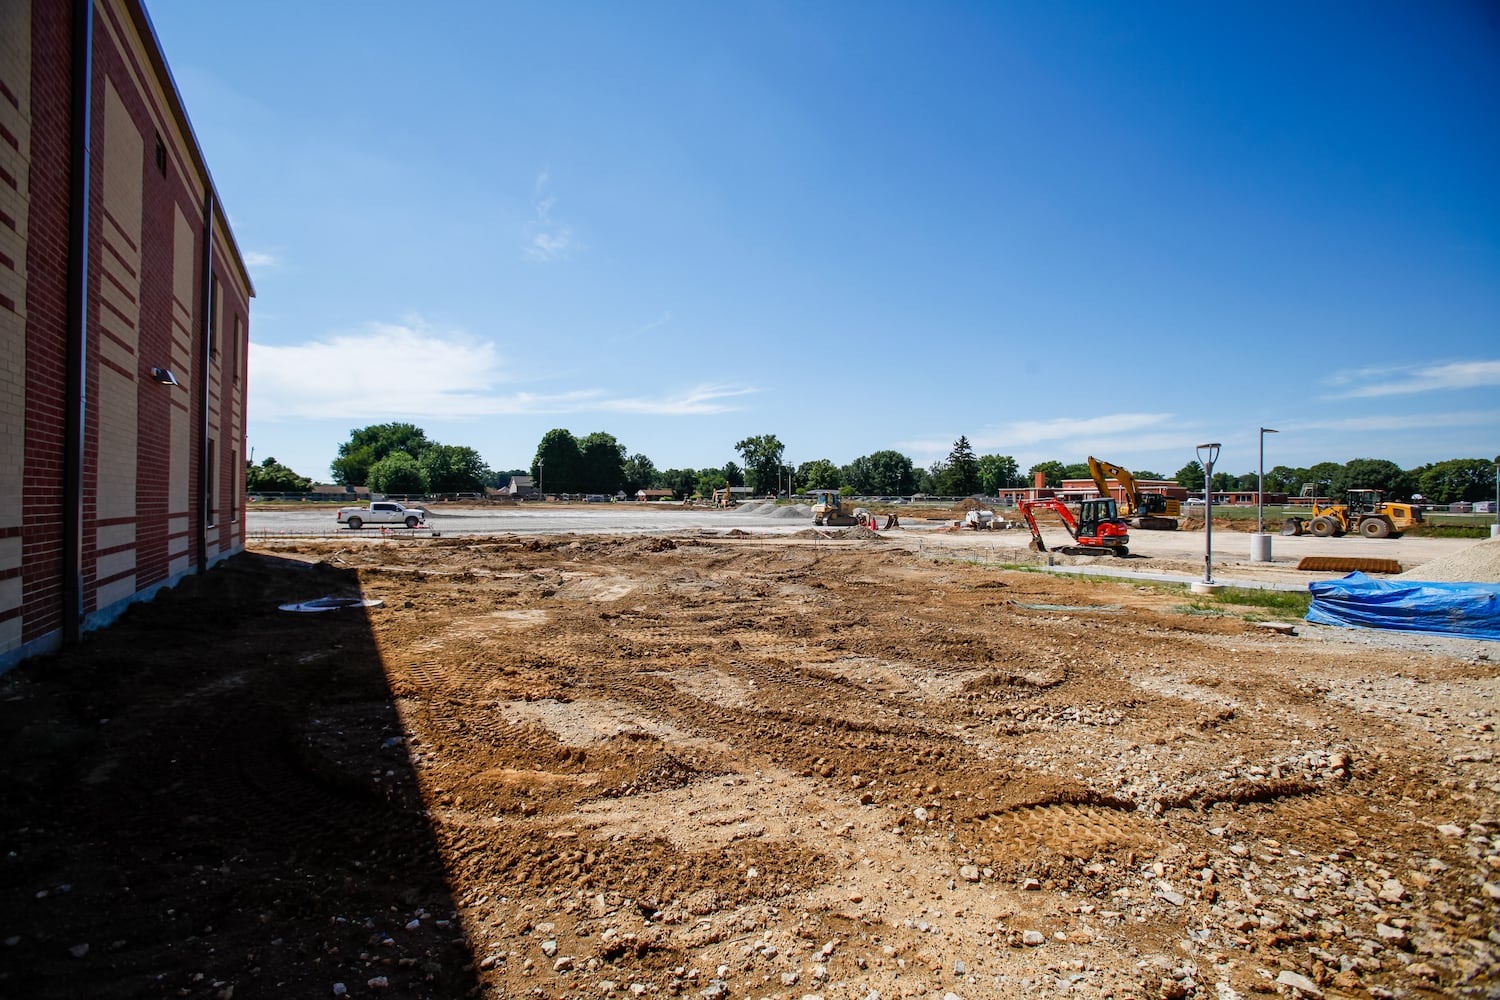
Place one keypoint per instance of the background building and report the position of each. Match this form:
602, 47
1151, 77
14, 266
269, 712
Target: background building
124, 319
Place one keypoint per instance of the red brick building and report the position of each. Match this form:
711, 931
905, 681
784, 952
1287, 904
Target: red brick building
124, 319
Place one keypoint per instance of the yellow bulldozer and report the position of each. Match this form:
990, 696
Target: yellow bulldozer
1363, 511
829, 511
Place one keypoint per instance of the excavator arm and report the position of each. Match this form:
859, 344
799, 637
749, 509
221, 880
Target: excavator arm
1103, 472
1141, 510
1108, 531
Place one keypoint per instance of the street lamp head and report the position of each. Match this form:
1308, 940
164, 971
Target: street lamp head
1208, 453
1268, 430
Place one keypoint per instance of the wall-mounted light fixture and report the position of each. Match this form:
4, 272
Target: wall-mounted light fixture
164, 376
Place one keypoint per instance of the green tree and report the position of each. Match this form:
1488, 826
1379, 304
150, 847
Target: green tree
1053, 471
397, 473
819, 474
998, 472
451, 468
1146, 474
960, 473
1225, 482
1322, 476
640, 474
1190, 477
1077, 470
1455, 480
1373, 474
603, 463
270, 476
710, 480
557, 466
880, 473
763, 460
733, 474
682, 482
1285, 479
368, 445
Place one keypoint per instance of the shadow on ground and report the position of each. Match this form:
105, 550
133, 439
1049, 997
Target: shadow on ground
213, 798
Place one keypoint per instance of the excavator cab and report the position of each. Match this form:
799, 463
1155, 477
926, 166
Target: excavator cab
1093, 513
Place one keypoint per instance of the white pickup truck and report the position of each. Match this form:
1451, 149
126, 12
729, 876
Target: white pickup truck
382, 512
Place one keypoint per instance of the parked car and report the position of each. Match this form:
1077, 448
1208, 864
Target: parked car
382, 512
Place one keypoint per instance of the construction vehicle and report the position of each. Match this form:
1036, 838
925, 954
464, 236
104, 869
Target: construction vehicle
1097, 529
829, 511
724, 498
1148, 511
1363, 511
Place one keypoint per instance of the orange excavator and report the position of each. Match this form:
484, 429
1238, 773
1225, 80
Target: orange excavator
1097, 529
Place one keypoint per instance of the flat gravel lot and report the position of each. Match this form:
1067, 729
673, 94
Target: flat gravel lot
1170, 552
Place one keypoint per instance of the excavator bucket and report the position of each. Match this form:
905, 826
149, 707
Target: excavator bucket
1036, 544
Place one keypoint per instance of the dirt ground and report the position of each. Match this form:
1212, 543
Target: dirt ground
651, 766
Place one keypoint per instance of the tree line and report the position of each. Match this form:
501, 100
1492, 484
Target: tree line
399, 458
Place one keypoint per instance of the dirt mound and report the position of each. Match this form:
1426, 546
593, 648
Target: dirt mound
1479, 563
859, 531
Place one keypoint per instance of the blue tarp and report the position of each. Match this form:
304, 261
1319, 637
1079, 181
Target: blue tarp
1467, 609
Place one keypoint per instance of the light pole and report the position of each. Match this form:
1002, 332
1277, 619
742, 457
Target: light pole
1260, 483
1495, 528
539, 464
1260, 542
1208, 454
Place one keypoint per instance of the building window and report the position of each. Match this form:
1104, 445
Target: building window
234, 348
161, 155
213, 321
236, 475
210, 477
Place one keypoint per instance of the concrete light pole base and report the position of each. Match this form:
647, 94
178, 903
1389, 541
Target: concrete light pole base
1495, 531
1199, 587
1260, 548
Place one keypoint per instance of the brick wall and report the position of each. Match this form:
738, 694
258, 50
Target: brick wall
145, 310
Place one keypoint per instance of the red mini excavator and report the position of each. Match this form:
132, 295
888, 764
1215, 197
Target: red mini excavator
1097, 529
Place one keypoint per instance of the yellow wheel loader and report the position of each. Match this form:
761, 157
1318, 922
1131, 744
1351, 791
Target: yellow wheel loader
1363, 511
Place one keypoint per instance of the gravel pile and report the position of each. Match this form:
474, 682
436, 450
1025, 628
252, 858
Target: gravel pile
1479, 563
764, 508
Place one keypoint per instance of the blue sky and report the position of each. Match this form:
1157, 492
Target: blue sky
1060, 229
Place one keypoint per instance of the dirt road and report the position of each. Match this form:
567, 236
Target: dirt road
655, 766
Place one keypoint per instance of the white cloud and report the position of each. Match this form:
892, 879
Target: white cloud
389, 371
1373, 382
1132, 432
1400, 422
655, 324
548, 240
258, 262
550, 246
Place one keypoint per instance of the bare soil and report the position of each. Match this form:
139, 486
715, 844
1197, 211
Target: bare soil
650, 766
